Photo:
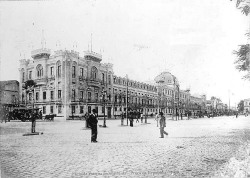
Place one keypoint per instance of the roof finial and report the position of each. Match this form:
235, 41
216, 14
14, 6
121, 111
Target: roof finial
43, 42
91, 42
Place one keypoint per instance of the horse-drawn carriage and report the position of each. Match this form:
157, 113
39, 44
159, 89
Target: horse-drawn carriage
24, 114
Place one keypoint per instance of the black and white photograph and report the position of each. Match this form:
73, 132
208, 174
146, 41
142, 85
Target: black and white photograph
122, 88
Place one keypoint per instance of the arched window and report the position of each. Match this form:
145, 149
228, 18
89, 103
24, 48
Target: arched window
39, 70
94, 73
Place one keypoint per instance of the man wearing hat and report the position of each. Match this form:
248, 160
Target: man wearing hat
162, 125
93, 125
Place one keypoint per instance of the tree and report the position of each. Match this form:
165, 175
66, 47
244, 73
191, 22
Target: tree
243, 53
29, 86
241, 106
244, 6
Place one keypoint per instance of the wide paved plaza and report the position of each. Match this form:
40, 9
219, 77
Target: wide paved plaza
194, 148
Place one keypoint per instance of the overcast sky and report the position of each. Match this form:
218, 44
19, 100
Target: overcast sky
192, 39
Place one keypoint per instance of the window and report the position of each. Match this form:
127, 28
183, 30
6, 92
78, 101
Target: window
51, 109
81, 94
39, 70
73, 109
37, 95
59, 109
30, 74
44, 95
59, 71
59, 94
73, 94
23, 76
109, 78
30, 96
103, 77
94, 73
51, 95
73, 71
81, 72
89, 96
51, 71
81, 109
44, 109
96, 96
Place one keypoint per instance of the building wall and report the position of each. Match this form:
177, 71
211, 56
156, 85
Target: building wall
9, 93
246, 105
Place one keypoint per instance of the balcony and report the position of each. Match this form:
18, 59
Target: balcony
52, 77
81, 78
94, 83
41, 81
93, 101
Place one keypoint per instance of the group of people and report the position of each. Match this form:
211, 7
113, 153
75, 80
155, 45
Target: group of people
93, 123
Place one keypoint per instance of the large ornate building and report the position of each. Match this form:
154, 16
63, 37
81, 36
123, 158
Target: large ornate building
69, 85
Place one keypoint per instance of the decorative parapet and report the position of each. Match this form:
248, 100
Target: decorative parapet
40, 52
90, 55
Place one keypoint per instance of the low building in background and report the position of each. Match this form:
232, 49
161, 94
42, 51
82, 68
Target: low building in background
9, 96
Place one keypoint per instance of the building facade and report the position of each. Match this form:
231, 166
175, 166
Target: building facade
9, 96
246, 105
69, 85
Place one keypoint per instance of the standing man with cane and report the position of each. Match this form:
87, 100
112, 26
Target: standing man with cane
93, 125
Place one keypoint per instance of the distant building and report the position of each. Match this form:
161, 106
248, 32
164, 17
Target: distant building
247, 105
9, 96
9, 92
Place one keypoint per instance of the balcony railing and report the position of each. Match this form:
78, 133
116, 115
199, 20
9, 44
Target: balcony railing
41, 81
52, 77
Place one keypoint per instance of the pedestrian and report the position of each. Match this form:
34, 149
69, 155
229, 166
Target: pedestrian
40, 115
162, 125
141, 118
236, 114
33, 116
137, 118
93, 125
181, 115
122, 118
157, 118
86, 116
131, 119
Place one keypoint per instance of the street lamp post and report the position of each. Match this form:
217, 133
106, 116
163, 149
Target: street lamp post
103, 98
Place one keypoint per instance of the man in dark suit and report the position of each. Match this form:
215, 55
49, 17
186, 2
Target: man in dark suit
162, 125
93, 125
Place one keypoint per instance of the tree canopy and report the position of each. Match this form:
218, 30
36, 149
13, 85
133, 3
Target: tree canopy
241, 106
242, 63
29, 84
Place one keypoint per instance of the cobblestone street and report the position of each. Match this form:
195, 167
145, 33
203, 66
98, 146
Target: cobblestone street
194, 148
